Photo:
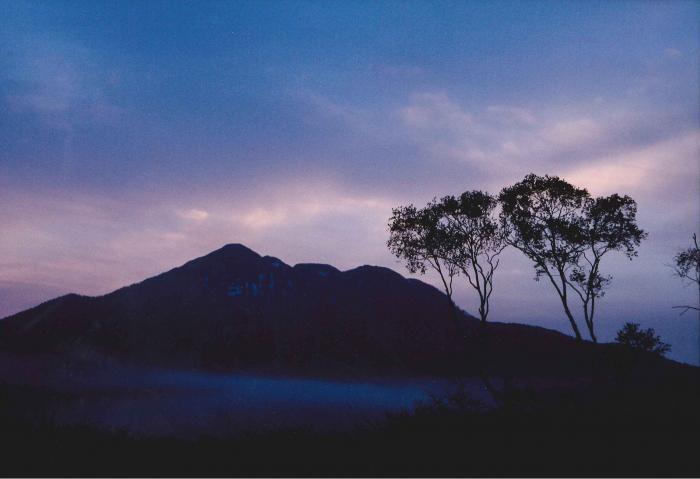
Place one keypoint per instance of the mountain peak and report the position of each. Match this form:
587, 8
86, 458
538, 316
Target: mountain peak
229, 254
234, 249
235, 246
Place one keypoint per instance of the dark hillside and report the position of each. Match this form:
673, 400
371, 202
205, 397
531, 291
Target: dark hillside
236, 310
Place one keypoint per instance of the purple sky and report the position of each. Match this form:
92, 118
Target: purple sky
137, 136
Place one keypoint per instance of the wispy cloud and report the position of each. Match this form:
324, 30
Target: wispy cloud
512, 114
643, 170
520, 139
193, 214
673, 53
436, 111
354, 117
59, 81
119, 244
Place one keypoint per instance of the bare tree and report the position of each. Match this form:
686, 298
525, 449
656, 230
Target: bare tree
475, 241
687, 267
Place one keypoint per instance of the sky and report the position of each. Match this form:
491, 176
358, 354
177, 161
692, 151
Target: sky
135, 136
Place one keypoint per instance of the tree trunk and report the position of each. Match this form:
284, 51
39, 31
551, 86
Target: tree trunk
562, 296
587, 317
577, 332
589, 324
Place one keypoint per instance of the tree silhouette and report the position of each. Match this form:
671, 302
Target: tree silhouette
452, 236
474, 241
609, 224
542, 215
687, 267
566, 233
632, 336
420, 238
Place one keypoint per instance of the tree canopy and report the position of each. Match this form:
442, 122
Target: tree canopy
609, 223
475, 240
566, 233
543, 216
421, 239
560, 227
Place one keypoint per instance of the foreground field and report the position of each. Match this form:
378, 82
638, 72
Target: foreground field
609, 428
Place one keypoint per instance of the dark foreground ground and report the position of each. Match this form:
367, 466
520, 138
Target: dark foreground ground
616, 426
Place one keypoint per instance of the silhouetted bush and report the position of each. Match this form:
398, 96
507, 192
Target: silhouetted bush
632, 336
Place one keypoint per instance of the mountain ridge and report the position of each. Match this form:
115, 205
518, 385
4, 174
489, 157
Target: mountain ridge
233, 309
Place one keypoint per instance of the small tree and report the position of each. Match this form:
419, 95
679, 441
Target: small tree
474, 241
420, 238
687, 267
543, 217
609, 224
632, 336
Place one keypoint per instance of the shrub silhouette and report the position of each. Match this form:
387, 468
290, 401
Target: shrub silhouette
632, 336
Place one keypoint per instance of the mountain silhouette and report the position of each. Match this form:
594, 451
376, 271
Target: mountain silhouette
234, 310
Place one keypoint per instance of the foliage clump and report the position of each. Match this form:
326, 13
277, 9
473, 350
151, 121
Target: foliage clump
633, 336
